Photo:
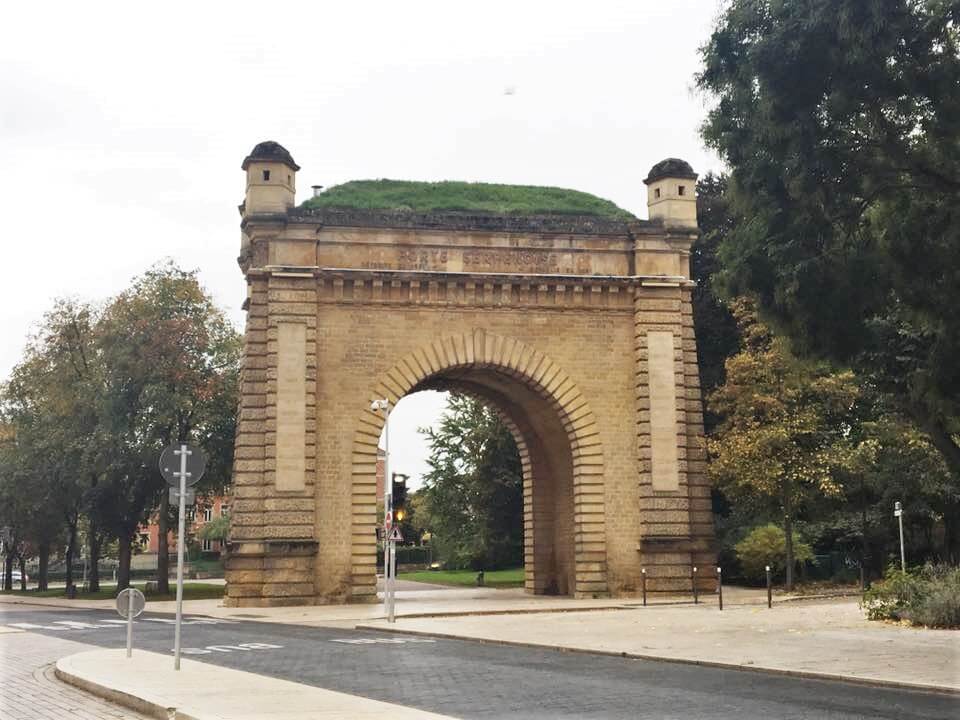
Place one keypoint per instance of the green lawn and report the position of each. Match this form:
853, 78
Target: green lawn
467, 578
191, 591
451, 196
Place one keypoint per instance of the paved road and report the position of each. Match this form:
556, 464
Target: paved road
475, 680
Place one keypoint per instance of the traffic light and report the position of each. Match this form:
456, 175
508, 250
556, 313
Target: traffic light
399, 489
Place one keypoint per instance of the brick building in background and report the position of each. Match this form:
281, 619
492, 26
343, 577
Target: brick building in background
205, 510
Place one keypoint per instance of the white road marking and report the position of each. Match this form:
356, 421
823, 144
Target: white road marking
381, 641
112, 623
229, 648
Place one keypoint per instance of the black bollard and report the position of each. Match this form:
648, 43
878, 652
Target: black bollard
696, 598
720, 587
769, 589
643, 584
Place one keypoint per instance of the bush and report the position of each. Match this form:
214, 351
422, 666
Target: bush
929, 596
767, 545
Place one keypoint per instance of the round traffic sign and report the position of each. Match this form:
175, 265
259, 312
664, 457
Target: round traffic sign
170, 464
123, 603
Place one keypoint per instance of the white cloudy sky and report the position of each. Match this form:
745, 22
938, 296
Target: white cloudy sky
123, 125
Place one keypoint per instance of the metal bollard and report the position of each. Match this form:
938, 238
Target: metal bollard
769, 589
696, 598
720, 586
643, 584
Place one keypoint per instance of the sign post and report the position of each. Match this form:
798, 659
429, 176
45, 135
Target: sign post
191, 463
898, 514
130, 603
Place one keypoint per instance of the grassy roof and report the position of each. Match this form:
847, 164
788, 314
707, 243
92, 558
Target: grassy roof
453, 196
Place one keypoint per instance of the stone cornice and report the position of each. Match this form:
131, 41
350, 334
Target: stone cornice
345, 286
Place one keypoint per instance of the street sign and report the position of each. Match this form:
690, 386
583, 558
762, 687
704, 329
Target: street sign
898, 512
189, 497
130, 603
396, 535
170, 464
388, 520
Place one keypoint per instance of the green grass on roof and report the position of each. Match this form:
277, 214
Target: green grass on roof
452, 196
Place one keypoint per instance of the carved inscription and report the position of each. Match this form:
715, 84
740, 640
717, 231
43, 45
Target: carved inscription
531, 261
421, 259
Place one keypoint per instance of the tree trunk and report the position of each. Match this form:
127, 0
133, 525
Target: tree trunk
71, 550
163, 548
788, 535
864, 572
8, 571
951, 535
44, 553
123, 564
942, 440
23, 574
93, 550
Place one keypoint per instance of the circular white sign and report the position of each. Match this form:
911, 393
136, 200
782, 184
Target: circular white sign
123, 603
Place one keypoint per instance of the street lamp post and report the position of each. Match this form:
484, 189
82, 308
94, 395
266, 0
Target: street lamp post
898, 514
389, 547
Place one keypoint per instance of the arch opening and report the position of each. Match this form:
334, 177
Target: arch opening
560, 453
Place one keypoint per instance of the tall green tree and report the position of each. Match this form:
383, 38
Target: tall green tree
784, 435
473, 492
48, 409
840, 123
171, 362
716, 329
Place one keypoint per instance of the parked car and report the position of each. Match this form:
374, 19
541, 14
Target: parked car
16, 577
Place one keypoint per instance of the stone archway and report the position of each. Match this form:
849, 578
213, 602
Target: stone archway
578, 328
560, 451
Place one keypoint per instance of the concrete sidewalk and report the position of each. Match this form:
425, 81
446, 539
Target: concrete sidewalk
430, 602
822, 639
148, 684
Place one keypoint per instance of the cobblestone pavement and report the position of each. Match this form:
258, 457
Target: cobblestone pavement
30, 690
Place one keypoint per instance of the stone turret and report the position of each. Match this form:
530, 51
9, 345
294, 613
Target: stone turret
271, 179
671, 193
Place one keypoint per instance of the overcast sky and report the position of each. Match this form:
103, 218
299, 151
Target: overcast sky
123, 125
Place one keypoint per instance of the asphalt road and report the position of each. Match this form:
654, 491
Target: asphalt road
475, 680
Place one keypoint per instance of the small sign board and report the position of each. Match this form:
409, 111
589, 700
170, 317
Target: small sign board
170, 464
387, 520
898, 512
123, 603
189, 497
395, 535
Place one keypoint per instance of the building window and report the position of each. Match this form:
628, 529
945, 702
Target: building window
266, 176
224, 510
656, 193
191, 513
206, 545
207, 514
681, 190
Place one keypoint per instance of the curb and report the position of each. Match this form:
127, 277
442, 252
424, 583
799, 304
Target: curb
132, 702
804, 674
